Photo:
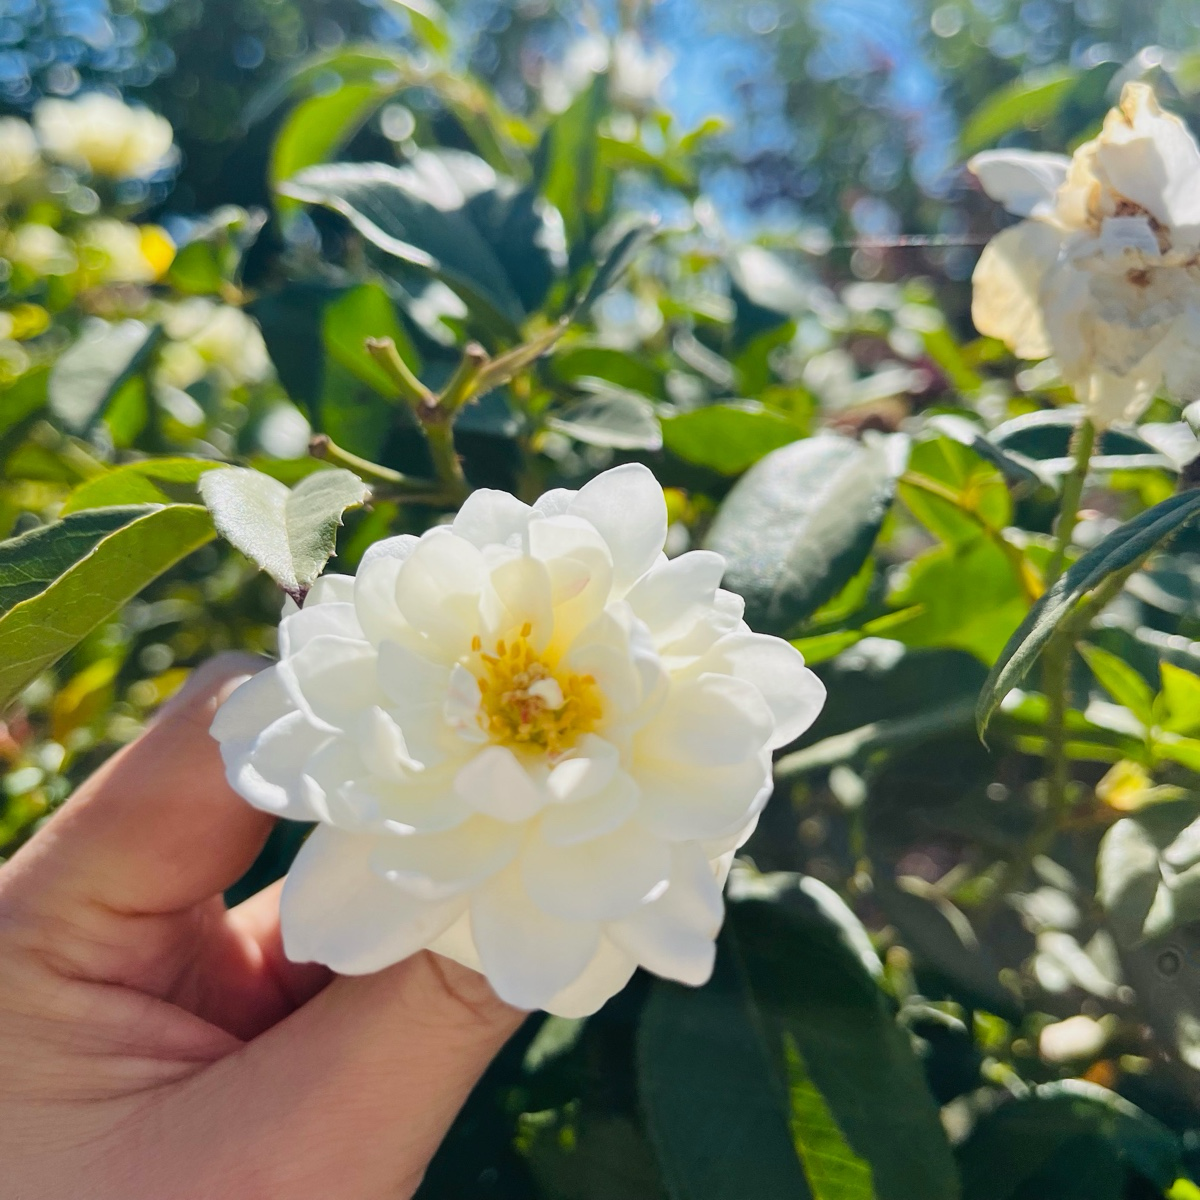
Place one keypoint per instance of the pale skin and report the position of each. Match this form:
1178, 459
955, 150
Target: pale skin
156, 1046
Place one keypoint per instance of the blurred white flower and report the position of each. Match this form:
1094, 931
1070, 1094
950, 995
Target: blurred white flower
1077, 1039
104, 135
638, 70
1104, 274
530, 743
207, 335
40, 249
112, 251
18, 151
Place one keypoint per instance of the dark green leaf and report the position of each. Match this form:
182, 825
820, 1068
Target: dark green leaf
1121, 549
616, 250
289, 532
800, 523
93, 370
142, 543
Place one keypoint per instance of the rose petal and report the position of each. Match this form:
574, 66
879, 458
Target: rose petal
337, 911
528, 955
600, 879
438, 589
675, 935
1006, 301
567, 824
588, 767
684, 801
496, 783
489, 517
609, 971
435, 865
627, 507
1024, 181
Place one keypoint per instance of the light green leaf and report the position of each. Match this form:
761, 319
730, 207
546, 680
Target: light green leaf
728, 438
1120, 550
1179, 700
1029, 101
74, 597
1121, 681
140, 483
428, 21
365, 312
321, 125
834, 1171
94, 369
800, 523
289, 532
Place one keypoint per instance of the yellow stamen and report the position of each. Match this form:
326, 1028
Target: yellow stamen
515, 712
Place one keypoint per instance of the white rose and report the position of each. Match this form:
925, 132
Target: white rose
18, 151
217, 335
104, 135
1103, 274
113, 251
530, 742
41, 249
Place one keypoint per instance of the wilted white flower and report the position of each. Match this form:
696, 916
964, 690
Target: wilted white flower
530, 743
104, 135
1105, 272
206, 335
18, 151
40, 249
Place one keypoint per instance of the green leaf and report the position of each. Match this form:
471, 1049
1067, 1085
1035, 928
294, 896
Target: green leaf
1071, 1140
616, 249
714, 1071
1025, 103
1148, 871
568, 169
428, 21
800, 523
365, 312
1121, 681
289, 532
139, 483
1179, 700
1120, 550
76, 595
728, 438
447, 213
578, 361
976, 486
611, 416
833, 1170
1045, 437
318, 127
23, 398
94, 369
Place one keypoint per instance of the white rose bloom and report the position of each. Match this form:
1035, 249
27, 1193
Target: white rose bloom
40, 249
1104, 274
18, 151
207, 334
104, 135
530, 742
113, 250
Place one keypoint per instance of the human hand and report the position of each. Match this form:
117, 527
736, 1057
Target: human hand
156, 1046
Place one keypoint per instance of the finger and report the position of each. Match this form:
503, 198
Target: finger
156, 829
352, 1094
239, 977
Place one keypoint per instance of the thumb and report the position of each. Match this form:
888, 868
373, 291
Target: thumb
352, 1093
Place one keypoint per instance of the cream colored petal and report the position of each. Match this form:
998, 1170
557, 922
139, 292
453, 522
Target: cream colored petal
1005, 301
609, 971
1024, 181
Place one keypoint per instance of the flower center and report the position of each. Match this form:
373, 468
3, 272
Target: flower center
525, 703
